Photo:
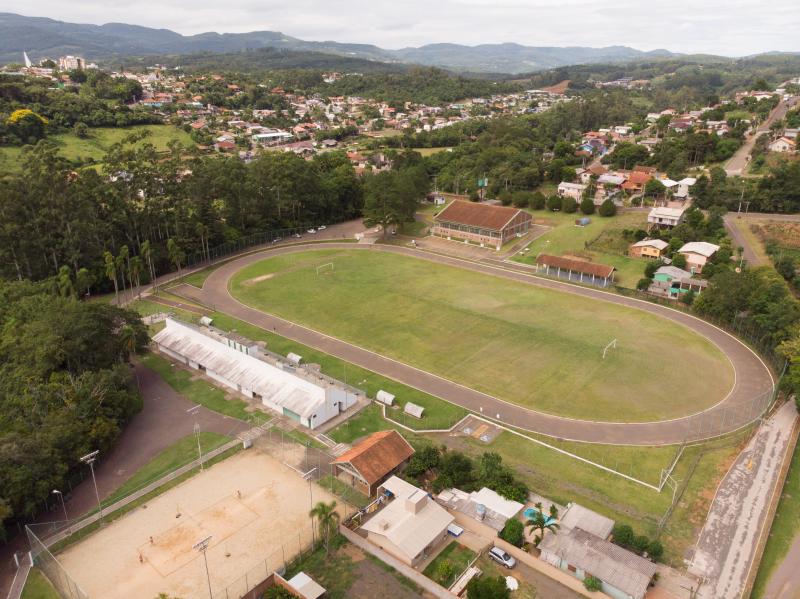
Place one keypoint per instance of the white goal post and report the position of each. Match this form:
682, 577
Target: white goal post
611, 345
322, 267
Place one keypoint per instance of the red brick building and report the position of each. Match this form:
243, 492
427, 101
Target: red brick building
481, 223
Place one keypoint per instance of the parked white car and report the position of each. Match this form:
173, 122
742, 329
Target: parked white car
312, 231
322, 227
502, 558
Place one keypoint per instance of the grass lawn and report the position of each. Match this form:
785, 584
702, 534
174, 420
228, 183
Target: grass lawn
196, 390
492, 569
173, 457
785, 528
527, 345
566, 238
340, 489
97, 144
459, 558
432, 151
38, 587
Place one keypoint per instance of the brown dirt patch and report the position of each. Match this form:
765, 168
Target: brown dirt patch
255, 280
558, 88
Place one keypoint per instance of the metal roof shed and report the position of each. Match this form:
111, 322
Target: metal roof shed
413, 409
385, 397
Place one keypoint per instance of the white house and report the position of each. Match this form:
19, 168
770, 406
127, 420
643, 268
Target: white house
684, 187
697, 254
661, 218
410, 524
571, 190
235, 362
783, 144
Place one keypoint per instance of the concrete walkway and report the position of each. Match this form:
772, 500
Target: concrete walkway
753, 378
728, 543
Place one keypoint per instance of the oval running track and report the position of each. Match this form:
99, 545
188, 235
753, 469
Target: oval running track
745, 402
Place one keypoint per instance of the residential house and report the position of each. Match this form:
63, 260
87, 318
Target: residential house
697, 254
783, 144
683, 188
409, 525
674, 282
369, 463
485, 505
577, 516
609, 186
571, 190
636, 181
665, 218
623, 574
648, 248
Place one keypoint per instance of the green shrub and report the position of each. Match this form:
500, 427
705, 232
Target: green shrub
554, 203
569, 205
513, 532
607, 208
655, 550
538, 201
592, 583
623, 535
587, 206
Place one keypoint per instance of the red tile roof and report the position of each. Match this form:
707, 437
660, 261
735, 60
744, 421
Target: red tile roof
377, 455
588, 268
474, 214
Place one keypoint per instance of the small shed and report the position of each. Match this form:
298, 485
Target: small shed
306, 586
206, 321
414, 410
294, 358
385, 397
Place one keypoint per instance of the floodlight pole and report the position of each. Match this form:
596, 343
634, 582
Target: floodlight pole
89, 459
202, 546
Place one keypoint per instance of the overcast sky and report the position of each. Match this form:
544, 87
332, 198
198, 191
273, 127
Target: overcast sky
727, 27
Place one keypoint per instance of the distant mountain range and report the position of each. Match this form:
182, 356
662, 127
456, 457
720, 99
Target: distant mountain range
42, 37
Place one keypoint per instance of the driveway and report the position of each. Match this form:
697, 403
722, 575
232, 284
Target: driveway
753, 378
162, 421
726, 548
739, 160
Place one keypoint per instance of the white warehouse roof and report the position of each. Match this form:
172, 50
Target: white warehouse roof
274, 384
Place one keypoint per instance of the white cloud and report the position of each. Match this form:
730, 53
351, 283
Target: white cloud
728, 27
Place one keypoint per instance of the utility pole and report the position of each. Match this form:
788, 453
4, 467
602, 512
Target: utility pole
202, 546
90, 459
63, 505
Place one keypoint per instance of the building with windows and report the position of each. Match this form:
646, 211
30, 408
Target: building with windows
368, 464
71, 63
301, 395
481, 223
648, 248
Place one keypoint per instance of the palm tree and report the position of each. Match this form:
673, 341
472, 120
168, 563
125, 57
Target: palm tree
147, 254
128, 342
122, 265
543, 523
111, 272
83, 281
327, 519
175, 254
137, 266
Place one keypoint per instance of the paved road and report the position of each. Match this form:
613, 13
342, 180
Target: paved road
162, 421
753, 378
727, 545
739, 160
735, 220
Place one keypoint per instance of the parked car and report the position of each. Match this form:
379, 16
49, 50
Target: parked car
297, 236
322, 227
312, 231
277, 239
502, 558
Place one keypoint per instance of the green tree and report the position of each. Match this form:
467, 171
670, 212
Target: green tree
444, 572
569, 205
84, 281
542, 523
607, 208
81, 130
538, 201
111, 272
327, 520
587, 205
513, 532
554, 203
623, 535
488, 587
176, 255
65, 286
679, 261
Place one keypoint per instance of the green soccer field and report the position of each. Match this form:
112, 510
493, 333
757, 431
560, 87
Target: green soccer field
534, 347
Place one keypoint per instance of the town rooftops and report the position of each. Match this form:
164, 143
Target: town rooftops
578, 516
699, 247
478, 215
411, 521
611, 179
673, 272
377, 455
651, 243
614, 565
664, 212
589, 268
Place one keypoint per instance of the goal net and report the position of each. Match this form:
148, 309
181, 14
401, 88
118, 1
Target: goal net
325, 268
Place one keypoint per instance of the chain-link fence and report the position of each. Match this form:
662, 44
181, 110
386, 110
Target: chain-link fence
55, 572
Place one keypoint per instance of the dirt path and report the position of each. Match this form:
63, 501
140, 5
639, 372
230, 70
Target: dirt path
753, 378
727, 545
